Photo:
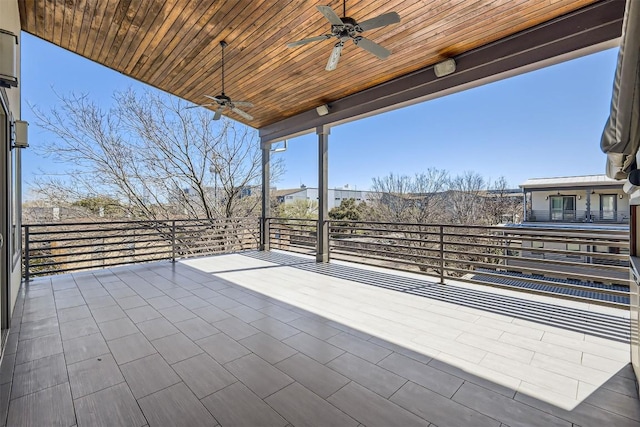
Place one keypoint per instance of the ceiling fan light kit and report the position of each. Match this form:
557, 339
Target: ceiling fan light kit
346, 28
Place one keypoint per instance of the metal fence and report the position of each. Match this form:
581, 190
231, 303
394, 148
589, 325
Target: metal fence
66, 247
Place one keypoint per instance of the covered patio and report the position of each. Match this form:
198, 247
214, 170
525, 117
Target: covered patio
271, 338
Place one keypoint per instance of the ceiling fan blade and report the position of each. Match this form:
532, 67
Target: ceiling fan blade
218, 113
332, 64
243, 104
330, 15
201, 105
215, 98
372, 47
379, 21
309, 40
242, 113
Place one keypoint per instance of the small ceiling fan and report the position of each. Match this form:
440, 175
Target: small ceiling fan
346, 28
222, 101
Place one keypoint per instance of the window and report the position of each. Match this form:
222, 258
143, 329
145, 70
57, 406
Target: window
563, 208
573, 247
608, 207
537, 245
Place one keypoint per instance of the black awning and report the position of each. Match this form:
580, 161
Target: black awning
621, 135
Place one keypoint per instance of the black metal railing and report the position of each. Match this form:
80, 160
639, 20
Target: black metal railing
60, 248
571, 263
295, 235
599, 216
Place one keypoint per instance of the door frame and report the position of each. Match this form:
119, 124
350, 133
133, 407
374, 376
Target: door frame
6, 196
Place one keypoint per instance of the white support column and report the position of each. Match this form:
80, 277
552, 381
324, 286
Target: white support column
322, 254
266, 198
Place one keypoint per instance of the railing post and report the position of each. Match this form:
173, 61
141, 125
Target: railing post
441, 255
265, 234
322, 244
173, 240
26, 253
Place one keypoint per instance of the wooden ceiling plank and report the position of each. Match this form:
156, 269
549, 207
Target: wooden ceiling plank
503, 26
38, 28
27, 10
72, 32
208, 48
49, 19
116, 19
135, 32
67, 22
91, 23
148, 25
187, 32
154, 31
123, 31
59, 12
98, 27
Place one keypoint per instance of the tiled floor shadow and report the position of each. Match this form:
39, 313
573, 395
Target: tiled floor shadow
572, 319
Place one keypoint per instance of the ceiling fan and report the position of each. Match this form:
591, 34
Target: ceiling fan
222, 101
346, 28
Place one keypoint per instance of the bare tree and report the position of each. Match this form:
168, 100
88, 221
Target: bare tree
402, 198
419, 200
500, 203
466, 201
159, 158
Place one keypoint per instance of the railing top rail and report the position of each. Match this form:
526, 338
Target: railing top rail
502, 228
140, 221
292, 219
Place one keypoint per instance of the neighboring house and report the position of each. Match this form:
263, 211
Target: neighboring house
336, 195
592, 203
584, 199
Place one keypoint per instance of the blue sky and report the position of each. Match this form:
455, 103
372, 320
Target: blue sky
540, 124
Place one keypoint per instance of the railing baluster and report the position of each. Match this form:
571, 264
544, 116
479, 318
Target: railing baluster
441, 255
173, 241
27, 253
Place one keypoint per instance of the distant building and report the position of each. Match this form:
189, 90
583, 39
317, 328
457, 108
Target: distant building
589, 199
590, 202
336, 195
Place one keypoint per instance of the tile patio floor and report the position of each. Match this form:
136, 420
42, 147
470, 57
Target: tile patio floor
271, 339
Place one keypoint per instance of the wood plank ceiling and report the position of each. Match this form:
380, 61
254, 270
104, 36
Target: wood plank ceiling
174, 44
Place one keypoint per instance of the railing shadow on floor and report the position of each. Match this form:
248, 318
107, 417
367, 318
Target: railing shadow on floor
572, 319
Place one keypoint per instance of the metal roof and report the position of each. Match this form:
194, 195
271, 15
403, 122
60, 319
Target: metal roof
575, 181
